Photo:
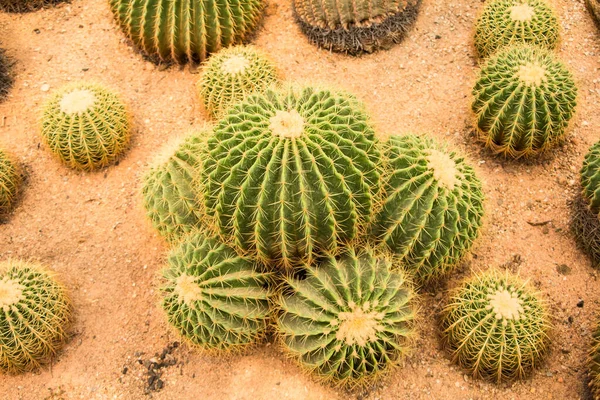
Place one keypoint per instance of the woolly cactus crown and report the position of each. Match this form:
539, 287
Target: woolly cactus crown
9, 183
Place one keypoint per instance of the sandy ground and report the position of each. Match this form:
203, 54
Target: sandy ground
91, 229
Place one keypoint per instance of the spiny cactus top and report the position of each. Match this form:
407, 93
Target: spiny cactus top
86, 125
168, 191
432, 205
496, 326
213, 297
523, 100
34, 313
232, 74
23, 6
350, 319
509, 22
590, 177
292, 172
355, 27
9, 183
186, 30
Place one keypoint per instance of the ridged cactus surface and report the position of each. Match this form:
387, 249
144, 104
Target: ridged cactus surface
213, 297
169, 193
593, 364
523, 100
509, 22
590, 177
9, 183
35, 311
355, 27
496, 326
351, 318
186, 30
86, 125
231, 75
292, 172
432, 206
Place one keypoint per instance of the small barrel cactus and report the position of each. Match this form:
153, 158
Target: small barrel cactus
432, 206
355, 27
291, 172
594, 6
496, 326
23, 6
590, 177
509, 22
35, 314
213, 297
186, 30
168, 191
523, 100
86, 125
9, 183
351, 318
231, 75
594, 364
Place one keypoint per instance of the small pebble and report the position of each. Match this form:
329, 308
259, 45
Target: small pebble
45, 87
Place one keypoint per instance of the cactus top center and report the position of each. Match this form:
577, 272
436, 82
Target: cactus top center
287, 124
187, 289
443, 168
358, 326
522, 13
77, 101
506, 304
235, 64
532, 74
11, 292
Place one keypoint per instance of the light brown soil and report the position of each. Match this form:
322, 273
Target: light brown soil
90, 227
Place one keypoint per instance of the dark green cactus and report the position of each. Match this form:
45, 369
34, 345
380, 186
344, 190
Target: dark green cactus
523, 100
35, 314
231, 75
351, 318
10, 181
86, 125
593, 364
509, 22
590, 177
186, 30
213, 297
496, 326
292, 172
23, 6
432, 206
168, 191
355, 27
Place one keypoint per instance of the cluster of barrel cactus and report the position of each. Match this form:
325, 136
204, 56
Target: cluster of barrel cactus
86, 125
9, 183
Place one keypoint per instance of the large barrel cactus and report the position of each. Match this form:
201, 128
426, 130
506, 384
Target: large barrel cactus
496, 326
186, 30
351, 318
510, 22
86, 125
292, 172
213, 297
355, 27
231, 75
35, 314
523, 100
9, 183
432, 206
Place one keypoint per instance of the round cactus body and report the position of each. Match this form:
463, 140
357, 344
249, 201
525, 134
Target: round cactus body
355, 27
231, 75
86, 125
432, 206
213, 297
509, 22
186, 30
523, 100
9, 183
496, 327
34, 313
23, 6
351, 318
168, 191
291, 173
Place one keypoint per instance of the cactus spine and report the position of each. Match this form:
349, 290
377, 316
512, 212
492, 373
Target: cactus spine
432, 206
351, 318
523, 100
9, 183
291, 173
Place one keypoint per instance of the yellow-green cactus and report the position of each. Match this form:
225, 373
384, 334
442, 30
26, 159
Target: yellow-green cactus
10, 181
